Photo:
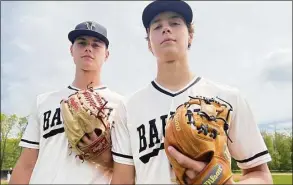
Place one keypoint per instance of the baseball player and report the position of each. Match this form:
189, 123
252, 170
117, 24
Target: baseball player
46, 158
139, 129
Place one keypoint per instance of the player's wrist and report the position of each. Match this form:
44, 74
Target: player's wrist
230, 181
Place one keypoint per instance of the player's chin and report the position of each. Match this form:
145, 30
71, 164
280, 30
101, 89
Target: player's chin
89, 68
169, 54
87, 65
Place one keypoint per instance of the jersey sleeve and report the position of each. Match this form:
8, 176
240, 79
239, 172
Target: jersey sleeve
248, 147
31, 136
121, 145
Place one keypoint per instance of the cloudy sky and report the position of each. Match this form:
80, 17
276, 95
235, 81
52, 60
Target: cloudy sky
243, 44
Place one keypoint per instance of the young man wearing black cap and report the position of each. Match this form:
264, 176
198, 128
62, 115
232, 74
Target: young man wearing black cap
46, 158
138, 133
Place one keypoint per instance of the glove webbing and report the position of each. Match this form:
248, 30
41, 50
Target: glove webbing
204, 128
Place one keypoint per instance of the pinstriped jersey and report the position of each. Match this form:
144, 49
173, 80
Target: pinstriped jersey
45, 132
139, 129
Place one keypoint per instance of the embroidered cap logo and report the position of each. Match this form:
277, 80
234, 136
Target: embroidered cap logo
90, 25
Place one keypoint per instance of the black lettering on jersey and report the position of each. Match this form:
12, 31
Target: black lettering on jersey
46, 120
53, 132
146, 158
142, 139
50, 123
56, 118
164, 121
153, 133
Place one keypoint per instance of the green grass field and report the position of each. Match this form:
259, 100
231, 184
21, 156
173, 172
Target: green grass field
282, 178
4, 182
278, 178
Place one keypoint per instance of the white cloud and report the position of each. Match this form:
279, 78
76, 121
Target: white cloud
233, 42
268, 86
278, 67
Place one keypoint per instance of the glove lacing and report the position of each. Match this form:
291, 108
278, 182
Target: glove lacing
204, 128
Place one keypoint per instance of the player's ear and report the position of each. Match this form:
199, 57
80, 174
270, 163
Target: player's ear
150, 46
107, 53
148, 40
71, 50
190, 39
190, 34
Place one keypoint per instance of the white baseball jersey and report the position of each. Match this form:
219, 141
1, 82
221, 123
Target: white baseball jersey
45, 131
138, 131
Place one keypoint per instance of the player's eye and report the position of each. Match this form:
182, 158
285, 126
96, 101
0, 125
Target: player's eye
157, 27
82, 43
175, 23
95, 45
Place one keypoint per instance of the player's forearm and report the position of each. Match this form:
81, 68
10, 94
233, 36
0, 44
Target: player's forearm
24, 167
106, 159
256, 177
109, 164
123, 174
120, 179
21, 175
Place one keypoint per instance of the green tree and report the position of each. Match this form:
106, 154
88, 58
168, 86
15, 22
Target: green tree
234, 165
12, 153
12, 127
269, 141
283, 145
279, 145
276, 158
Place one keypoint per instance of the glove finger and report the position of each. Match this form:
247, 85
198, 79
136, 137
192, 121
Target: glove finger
82, 144
70, 124
195, 101
85, 140
66, 113
93, 135
87, 121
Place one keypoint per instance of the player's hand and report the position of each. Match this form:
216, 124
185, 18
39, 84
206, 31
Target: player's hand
105, 159
193, 166
87, 139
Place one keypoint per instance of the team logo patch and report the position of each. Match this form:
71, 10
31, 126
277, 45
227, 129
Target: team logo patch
90, 25
214, 176
177, 125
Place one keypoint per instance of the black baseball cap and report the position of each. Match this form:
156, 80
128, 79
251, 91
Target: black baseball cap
159, 6
89, 28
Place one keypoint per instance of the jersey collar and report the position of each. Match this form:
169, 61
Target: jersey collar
173, 94
77, 89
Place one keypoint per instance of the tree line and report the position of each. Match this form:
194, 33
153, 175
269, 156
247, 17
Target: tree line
279, 145
12, 128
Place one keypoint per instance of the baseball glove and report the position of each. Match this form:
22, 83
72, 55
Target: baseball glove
201, 135
85, 112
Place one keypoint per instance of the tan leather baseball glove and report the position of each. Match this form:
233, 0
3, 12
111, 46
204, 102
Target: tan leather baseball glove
83, 113
201, 134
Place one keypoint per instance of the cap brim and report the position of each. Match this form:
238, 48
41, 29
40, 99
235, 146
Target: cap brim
76, 33
156, 7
